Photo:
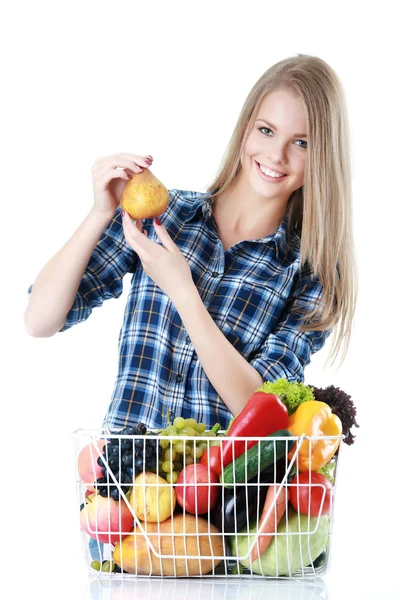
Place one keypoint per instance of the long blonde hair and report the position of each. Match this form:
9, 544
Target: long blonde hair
322, 207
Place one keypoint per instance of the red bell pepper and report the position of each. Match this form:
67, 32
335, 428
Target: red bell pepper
263, 414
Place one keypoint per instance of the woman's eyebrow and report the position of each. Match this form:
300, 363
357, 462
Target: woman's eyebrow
273, 127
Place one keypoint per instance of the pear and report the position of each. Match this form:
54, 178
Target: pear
144, 196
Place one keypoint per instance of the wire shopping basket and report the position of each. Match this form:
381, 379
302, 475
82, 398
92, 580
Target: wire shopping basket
167, 506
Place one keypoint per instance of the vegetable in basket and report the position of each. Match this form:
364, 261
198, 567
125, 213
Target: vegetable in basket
341, 405
306, 497
290, 550
258, 458
236, 507
315, 418
292, 393
274, 508
262, 415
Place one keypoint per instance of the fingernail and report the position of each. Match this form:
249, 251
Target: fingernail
157, 221
129, 176
123, 213
140, 168
148, 161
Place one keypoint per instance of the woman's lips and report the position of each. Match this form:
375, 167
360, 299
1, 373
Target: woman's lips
267, 177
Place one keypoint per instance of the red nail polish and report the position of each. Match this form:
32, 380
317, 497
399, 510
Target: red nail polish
157, 221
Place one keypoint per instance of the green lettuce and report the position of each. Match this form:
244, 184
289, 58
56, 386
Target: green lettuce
292, 393
288, 553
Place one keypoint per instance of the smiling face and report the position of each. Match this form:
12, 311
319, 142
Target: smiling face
275, 143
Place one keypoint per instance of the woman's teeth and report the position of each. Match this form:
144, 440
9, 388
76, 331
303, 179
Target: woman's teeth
270, 173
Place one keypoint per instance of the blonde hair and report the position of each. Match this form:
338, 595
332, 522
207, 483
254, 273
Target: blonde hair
321, 210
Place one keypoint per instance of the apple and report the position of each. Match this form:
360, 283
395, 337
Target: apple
196, 495
88, 468
102, 515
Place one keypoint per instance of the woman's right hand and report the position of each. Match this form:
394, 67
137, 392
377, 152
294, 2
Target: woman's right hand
110, 174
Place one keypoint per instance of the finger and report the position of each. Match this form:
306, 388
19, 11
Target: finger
165, 238
139, 224
134, 162
135, 238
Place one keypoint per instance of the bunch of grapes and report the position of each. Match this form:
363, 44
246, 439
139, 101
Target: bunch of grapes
177, 454
126, 458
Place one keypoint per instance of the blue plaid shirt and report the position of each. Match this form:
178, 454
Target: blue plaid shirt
250, 291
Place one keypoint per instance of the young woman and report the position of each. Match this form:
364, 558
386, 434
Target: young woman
235, 286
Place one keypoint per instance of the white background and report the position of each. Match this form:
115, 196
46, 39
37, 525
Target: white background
87, 79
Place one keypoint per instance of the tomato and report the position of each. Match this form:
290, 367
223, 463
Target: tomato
212, 457
299, 495
195, 496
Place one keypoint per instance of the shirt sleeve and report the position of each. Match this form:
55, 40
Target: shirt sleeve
287, 350
112, 258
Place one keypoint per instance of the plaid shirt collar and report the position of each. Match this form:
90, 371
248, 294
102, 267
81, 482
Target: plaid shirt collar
279, 238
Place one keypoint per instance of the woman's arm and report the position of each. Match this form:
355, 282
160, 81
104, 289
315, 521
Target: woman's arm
85, 272
285, 352
234, 379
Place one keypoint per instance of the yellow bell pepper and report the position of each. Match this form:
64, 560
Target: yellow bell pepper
314, 418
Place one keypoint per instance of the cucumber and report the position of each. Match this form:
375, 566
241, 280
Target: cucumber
269, 450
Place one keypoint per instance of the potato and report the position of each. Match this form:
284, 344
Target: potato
152, 497
134, 555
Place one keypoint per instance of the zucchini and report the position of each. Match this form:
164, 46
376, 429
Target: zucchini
270, 450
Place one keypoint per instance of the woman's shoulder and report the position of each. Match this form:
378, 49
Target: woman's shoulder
186, 196
183, 204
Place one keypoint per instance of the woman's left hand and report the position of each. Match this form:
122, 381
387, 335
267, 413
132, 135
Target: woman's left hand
164, 262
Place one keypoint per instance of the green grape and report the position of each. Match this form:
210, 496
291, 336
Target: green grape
201, 427
188, 448
237, 569
164, 443
179, 422
170, 454
107, 566
95, 565
171, 430
191, 423
189, 460
180, 446
168, 466
162, 432
189, 431
172, 477
197, 452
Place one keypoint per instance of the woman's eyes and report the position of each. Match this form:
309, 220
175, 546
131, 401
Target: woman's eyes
304, 147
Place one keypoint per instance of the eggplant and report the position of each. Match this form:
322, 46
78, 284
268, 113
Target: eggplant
236, 507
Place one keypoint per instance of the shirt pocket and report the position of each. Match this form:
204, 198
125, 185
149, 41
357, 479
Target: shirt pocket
251, 315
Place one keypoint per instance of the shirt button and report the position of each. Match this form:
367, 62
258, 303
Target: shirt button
215, 273
179, 378
187, 340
